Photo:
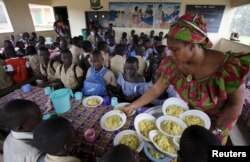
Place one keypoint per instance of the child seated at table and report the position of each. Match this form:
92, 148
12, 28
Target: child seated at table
47, 66
54, 137
128, 81
18, 67
21, 117
194, 144
99, 75
140, 50
103, 47
117, 63
21, 49
71, 75
41, 42
119, 153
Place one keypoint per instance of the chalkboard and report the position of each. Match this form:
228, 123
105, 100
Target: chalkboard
213, 15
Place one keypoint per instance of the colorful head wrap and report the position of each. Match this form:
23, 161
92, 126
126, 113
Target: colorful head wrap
191, 28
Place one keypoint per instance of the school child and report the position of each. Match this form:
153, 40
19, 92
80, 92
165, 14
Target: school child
129, 79
5, 79
21, 117
111, 45
34, 60
117, 62
18, 67
41, 42
76, 50
71, 75
119, 153
194, 144
140, 50
54, 137
85, 62
103, 48
13, 40
21, 49
98, 77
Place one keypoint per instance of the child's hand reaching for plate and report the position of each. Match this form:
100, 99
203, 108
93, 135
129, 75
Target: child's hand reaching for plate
128, 110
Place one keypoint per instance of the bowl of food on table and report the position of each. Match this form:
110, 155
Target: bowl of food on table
196, 117
113, 120
92, 101
155, 155
170, 126
143, 124
121, 106
174, 107
129, 138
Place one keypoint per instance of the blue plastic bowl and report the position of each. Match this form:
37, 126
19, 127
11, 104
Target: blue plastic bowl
167, 159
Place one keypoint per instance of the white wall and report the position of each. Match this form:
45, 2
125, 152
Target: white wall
77, 9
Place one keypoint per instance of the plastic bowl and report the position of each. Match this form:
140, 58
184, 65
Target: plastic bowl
174, 101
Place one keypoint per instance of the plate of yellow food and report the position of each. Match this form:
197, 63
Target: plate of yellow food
143, 124
113, 120
174, 107
92, 101
170, 126
121, 106
163, 143
129, 138
196, 117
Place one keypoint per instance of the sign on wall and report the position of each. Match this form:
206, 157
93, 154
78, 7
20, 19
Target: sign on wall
143, 14
95, 4
212, 13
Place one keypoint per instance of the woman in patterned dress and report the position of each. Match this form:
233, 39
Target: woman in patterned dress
209, 80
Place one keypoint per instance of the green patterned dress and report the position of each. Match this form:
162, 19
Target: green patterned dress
210, 94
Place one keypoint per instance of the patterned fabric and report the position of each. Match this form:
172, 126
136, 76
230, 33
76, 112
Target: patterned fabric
209, 94
191, 28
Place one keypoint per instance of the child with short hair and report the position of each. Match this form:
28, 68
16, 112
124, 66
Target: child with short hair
85, 62
55, 137
194, 144
140, 50
34, 60
128, 81
18, 67
119, 153
21, 49
70, 74
21, 117
13, 40
117, 62
111, 45
76, 50
41, 42
103, 48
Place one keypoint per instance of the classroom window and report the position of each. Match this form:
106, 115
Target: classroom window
5, 24
241, 23
42, 16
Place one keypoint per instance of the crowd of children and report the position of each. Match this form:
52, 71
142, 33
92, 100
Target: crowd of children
124, 69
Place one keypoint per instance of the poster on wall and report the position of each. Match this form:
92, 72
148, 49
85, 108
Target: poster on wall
212, 13
143, 14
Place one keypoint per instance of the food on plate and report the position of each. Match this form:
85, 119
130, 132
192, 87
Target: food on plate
93, 102
113, 122
155, 154
131, 141
171, 127
174, 110
164, 143
193, 120
145, 126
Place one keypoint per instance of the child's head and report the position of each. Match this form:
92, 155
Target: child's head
194, 144
12, 37
7, 43
121, 153
119, 49
66, 57
9, 52
102, 46
147, 43
124, 35
131, 66
112, 41
44, 54
97, 60
41, 40
157, 41
77, 41
140, 50
54, 136
20, 45
21, 115
25, 36
30, 50
33, 34
161, 34
132, 32
161, 50
63, 44
32, 42
152, 32
87, 46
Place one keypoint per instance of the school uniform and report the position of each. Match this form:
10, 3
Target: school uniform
69, 78
142, 65
50, 70
17, 148
106, 59
117, 64
76, 53
109, 77
51, 158
5, 79
35, 64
